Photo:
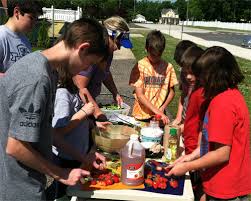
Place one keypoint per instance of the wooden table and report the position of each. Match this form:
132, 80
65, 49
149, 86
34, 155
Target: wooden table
132, 195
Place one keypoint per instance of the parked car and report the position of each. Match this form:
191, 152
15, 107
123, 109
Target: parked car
246, 42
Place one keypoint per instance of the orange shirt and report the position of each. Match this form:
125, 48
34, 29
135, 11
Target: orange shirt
155, 80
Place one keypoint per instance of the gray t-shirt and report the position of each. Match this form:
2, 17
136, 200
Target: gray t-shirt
13, 46
66, 105
26, 105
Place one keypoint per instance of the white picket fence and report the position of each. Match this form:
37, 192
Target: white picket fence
218, 24
61, 14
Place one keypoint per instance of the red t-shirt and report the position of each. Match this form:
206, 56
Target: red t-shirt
227, 122
192, 121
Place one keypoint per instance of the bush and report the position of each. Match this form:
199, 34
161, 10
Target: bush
43, 39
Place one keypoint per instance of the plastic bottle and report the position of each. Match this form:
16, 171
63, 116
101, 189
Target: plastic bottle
171, 151
155, 122
132, 161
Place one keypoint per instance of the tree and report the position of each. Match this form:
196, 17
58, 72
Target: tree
181, 7
195, 12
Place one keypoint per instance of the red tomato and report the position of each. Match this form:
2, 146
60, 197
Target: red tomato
155, 185
109, 182
149, 182
162, 185
173, 183
115, 179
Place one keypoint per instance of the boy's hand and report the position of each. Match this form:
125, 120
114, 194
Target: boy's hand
98, 161
71, 177
88, 108
164, 118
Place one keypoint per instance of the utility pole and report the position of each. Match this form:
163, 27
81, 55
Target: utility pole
119, 4
187, 17
134, 6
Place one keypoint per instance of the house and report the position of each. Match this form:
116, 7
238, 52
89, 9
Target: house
139, 19
169, 16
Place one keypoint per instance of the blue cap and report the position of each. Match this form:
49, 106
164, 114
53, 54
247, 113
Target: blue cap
124, 40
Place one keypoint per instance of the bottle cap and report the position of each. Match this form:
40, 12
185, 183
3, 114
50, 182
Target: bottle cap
134, 137
158, 117
173, 131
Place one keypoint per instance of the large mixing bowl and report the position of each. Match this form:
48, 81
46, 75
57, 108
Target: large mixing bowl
113, 138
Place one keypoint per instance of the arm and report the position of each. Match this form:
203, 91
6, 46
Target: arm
219, 155
110, 85
82, 82
168, 99
143, 100
24, 153
179, 113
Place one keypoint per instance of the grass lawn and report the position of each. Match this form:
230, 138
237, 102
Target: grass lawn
139, 52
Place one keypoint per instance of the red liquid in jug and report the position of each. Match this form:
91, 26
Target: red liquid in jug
133, 161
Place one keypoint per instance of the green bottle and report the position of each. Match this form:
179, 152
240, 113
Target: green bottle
172, 148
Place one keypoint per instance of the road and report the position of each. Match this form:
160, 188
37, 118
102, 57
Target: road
229, 40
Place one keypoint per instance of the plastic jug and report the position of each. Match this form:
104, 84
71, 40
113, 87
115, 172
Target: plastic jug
133, 161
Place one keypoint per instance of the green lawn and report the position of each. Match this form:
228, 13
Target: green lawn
139, 52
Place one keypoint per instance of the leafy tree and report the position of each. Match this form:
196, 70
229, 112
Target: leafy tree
181, 7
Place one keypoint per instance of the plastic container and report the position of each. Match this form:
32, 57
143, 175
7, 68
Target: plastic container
150, 135
132, 162
171, 151
124, 110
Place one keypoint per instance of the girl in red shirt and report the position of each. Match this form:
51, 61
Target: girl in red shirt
223, 156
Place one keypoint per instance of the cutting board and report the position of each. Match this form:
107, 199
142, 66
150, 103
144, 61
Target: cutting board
115, 167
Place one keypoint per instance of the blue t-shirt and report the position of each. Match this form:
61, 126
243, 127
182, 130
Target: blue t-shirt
13, 46
66, 105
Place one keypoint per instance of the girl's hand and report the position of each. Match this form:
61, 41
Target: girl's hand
102, 125
179, 169
88, 108
176, 121
119, 100
184, 158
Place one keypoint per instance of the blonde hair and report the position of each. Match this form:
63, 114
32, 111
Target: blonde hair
116, 23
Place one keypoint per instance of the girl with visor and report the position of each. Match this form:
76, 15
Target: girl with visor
89, 82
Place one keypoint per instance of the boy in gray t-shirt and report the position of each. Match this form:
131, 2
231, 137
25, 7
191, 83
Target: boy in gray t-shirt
26, 105
13, 43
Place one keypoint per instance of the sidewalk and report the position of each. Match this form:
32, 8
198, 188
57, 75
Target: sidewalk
176, 33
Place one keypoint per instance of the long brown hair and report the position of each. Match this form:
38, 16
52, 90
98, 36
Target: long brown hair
219, 72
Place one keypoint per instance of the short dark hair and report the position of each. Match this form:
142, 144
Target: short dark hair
25, 6
87, 30
181, 47
155, 41
219, 71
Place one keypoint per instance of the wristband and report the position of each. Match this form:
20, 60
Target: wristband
83, 111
